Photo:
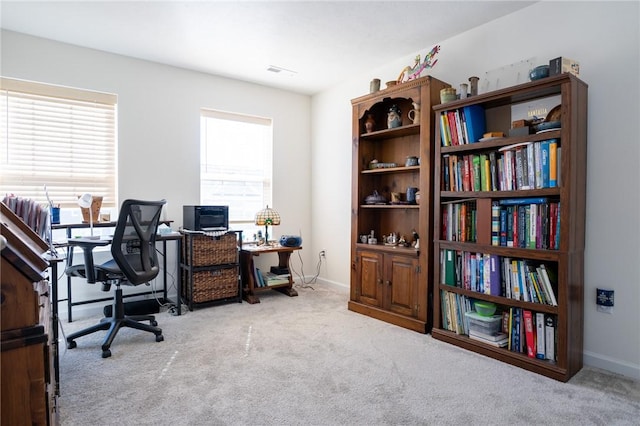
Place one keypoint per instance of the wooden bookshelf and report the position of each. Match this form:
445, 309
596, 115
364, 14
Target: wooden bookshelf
390, 282
566, 257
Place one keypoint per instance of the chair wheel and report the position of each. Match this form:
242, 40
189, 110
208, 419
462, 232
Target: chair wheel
72, 344
159, 338
153, 323
106, 353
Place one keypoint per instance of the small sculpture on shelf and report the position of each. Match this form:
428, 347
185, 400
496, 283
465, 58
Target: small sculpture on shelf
369, 123
394, 118
413, 72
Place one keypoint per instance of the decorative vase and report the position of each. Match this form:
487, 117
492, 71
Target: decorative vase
369, 123
394, 118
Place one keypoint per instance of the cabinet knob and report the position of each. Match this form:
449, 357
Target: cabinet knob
388, 282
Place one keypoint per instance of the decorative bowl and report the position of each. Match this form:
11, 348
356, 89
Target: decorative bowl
539, 72
375, 198
486, 309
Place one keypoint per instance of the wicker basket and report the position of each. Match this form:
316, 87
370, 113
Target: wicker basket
214, 285
203, 250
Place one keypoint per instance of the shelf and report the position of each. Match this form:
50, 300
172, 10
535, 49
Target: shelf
538, 307
406, 130
542, 192
544, 367
500, 142
407, 251
390, 206
391, 170
533, 254
516, 94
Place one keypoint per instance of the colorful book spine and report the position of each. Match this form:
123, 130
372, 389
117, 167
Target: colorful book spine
529, 333
495, 224
540, 336
553, 166
550, 337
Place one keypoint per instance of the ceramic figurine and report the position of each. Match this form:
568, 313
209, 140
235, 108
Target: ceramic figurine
369, 123
394, 118
414, 114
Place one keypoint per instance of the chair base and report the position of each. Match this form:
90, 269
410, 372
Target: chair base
115, 323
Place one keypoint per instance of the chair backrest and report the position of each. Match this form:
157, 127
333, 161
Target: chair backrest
134, 240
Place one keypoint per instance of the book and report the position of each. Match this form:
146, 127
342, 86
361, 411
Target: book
550, 337
553, 166
269, 279
449, 268
495, 224
444, 130
474, 118
544, 272
259, 278
540, 348
498, 343
544, 155
522, 201
495, 287
529, 335
494, 337
452, 127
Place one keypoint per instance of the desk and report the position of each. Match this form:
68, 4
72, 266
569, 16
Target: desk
247, 253
160, 238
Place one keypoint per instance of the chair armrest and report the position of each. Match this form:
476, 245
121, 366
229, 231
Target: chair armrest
87, 245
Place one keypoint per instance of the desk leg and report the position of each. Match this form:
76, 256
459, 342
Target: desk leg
179, 277
55, 325
248, 281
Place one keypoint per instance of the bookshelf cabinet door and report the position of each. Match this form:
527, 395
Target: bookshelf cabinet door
401, 284
369, 272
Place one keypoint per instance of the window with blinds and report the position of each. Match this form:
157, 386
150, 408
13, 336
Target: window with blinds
59, 138
235, 165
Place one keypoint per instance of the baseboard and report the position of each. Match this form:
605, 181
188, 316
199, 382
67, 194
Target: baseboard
333, 283
611, 364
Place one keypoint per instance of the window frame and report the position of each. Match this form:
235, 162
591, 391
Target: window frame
71, 122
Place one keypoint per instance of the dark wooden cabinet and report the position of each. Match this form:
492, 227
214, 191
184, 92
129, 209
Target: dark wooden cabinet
28, 380
388, 285
563, 253
390, 281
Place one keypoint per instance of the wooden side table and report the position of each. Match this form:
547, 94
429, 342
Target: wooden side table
247, 268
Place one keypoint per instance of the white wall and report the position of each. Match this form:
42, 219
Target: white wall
604, 38
159, 126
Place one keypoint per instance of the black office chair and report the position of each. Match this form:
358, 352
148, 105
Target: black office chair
134, 262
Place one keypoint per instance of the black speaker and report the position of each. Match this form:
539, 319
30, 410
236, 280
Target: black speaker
290, 241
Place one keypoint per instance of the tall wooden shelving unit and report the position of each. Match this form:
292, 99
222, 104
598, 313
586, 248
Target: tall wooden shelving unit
567, 259
391, 283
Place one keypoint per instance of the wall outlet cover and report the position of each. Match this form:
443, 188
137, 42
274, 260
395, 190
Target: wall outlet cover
604, 297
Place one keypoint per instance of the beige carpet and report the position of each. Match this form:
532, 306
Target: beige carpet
308, 360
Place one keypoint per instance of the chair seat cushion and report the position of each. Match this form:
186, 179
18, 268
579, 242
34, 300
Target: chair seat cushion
111, 269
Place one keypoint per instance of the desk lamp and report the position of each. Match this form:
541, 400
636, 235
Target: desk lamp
86, 201
267, 217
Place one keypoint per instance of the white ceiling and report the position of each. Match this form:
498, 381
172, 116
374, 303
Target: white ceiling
322, 41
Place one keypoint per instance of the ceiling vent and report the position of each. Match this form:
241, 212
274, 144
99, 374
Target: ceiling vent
280, 70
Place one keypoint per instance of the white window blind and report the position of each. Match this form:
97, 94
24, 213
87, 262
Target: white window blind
235, 169
60, 137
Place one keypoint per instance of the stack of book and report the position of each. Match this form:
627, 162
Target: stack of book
497, 338
267, 279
